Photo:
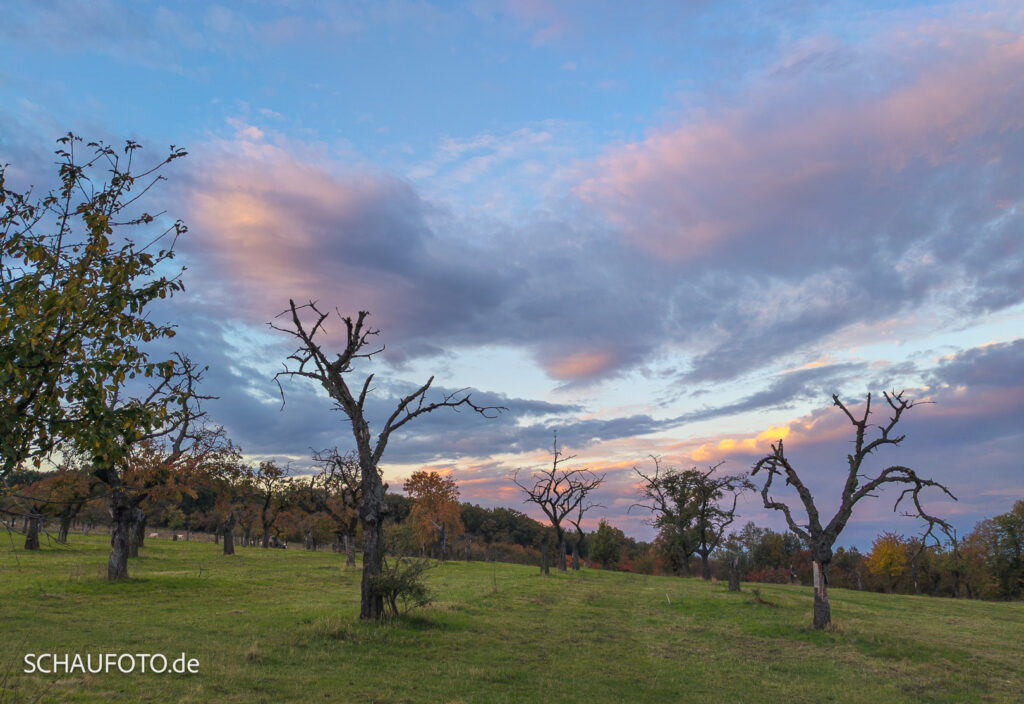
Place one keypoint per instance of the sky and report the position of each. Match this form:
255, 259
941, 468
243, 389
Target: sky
673, 230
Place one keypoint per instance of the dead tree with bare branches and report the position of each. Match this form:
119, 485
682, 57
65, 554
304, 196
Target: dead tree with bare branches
559, 493
858, 485
334, 373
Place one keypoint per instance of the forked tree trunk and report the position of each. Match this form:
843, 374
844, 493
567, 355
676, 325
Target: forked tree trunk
120, 529
32, 530
822, 609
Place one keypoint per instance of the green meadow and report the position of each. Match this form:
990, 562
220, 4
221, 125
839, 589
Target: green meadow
281, 625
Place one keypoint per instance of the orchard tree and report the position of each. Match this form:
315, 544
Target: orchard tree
888, 558
691, 508
336, 491
858, 485
559, 493
143, 443
78, 270
335, 373
606, 545
271, 482
232, 482
435, 514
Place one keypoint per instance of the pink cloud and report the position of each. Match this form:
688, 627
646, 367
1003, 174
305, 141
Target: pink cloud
781, 160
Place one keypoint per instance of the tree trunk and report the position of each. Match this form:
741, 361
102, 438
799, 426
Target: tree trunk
266, 535
143, 520
370, 514
734, 574
576, 555
120, 529
444, 544
229, 536
822, 609
705, 567
544, 554
561, 553
65, 526
350, 549
135, 529
32, 530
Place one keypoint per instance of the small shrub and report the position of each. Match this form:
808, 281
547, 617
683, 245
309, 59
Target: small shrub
402, 587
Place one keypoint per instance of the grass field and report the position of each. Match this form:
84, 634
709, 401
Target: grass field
281, 625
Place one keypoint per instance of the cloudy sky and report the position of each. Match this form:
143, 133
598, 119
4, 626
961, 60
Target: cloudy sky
671, 231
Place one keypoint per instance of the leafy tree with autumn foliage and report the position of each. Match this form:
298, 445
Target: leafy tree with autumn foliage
436, 515
888, 558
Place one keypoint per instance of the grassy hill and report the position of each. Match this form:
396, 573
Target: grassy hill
280, 625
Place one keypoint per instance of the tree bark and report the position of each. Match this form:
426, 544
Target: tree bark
32, 530
120, 529
266, 535
229, 536
822, 609
65, 526
136, 527
370, 514
734, 574
561, 553
705, 567
350, 549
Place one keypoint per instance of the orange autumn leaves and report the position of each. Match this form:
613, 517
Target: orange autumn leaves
435, 510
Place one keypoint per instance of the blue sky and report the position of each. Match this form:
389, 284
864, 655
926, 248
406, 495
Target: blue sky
674, 230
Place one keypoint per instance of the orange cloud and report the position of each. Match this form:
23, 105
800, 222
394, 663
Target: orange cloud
580, 365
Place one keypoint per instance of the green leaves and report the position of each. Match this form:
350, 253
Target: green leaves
74, 295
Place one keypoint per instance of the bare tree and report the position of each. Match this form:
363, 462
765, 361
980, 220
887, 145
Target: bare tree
311, 362
858, 485
559, 493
